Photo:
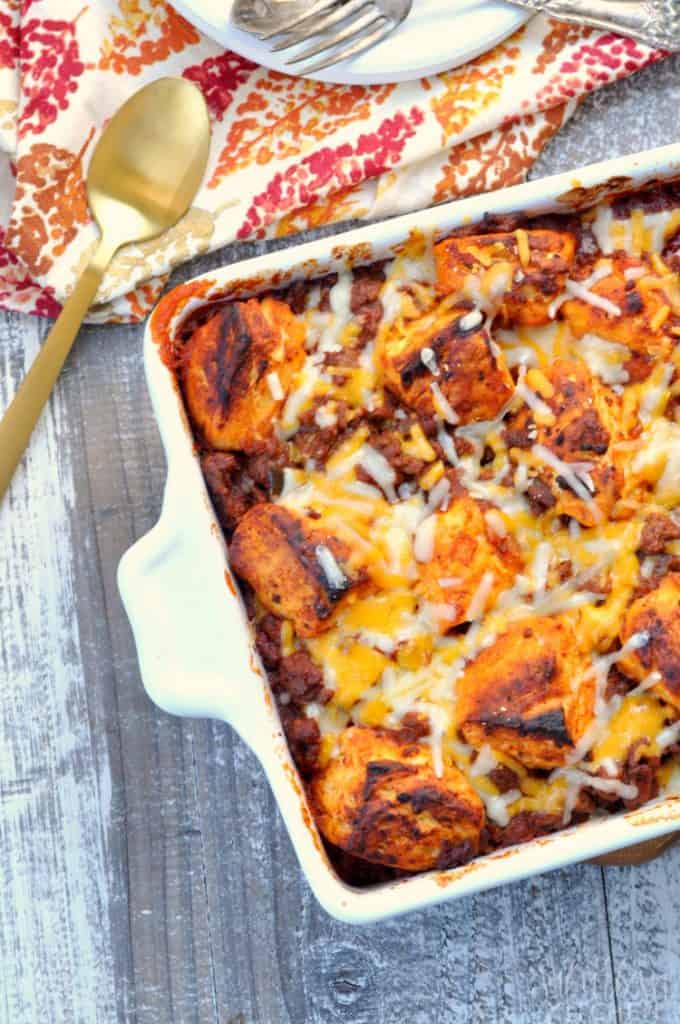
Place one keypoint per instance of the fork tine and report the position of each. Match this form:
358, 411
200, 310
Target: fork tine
318, 8
361, 44
358, 25
320, 25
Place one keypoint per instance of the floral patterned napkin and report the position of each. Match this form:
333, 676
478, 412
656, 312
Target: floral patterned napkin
287, 153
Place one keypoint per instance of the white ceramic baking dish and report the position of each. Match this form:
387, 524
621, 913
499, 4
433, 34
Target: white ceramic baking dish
192, 637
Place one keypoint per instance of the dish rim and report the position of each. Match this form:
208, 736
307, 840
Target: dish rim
183, 604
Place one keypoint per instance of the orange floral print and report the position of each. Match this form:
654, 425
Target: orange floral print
145, 32
498, 158
561, 35
141, 300
49, 206
283, 117
472, 88
337, 207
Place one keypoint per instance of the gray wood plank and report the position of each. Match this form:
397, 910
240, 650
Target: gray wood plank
146, 874
644, 921
55, 938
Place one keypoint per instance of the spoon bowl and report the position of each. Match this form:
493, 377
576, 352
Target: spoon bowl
149, 162
142, 178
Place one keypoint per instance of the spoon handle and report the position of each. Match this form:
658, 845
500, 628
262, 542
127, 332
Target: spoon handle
24, 411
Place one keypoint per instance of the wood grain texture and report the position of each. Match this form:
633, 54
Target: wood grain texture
146, 875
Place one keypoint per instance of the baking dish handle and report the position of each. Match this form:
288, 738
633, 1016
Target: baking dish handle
178, 598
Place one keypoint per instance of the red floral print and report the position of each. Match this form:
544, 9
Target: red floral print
281, 116
219, 78
332, 168
594, 62
9, 41
51, 66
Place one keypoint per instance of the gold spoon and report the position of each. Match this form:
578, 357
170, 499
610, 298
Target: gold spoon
142, 178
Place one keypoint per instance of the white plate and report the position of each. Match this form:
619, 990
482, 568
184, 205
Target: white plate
437, 35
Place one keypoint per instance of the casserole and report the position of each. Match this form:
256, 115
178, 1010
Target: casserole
173, 581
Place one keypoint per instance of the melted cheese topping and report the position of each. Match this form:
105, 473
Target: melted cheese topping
637, 234
605, 359
390, 653
637, 719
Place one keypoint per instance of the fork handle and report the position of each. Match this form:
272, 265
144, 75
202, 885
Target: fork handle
654, 22
24, 411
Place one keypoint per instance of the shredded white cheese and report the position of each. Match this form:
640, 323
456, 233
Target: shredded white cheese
634, 273
448, 447
472, 320
604, 358
325, 417
540, 567
309, 380
668, 736
449, 581
497, 806
442, 406
377, 466
424, 538
571, 472
531, 399
438, 496
429, 359
495, 522
579, 291
656, 392
330, 568
275, 386
484, 763
480, 597
621, 789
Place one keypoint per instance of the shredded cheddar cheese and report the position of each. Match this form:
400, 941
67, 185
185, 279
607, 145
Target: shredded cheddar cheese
523, 247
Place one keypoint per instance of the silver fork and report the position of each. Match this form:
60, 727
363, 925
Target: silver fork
337, 29
655, 22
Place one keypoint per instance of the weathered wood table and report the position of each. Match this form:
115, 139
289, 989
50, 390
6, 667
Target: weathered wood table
145, 875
